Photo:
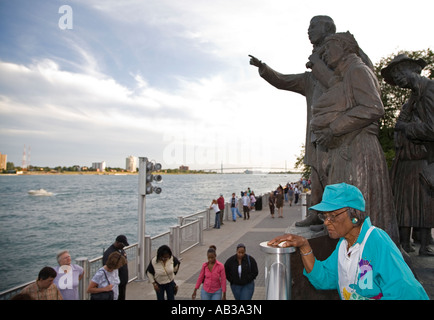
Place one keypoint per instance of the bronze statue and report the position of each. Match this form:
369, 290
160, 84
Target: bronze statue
311, 85
307, 85
342, 129
345, 122
413, 167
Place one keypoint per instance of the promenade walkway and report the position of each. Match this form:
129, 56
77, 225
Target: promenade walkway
260, 227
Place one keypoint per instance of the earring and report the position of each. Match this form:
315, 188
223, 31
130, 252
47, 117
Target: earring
354, 220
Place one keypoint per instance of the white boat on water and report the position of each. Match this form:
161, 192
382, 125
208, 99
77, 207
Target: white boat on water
40, 192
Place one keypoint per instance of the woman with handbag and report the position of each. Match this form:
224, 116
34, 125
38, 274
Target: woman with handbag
104, 284
161, 272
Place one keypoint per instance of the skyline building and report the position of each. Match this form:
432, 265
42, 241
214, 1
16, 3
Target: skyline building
99, 166
131, 164
3, 161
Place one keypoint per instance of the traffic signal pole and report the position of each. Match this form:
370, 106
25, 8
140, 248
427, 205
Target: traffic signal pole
142, 218
145, 187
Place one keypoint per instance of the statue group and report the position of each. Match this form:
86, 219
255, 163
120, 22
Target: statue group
344, 107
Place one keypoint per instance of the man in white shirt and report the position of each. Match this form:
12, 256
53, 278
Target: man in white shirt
246, 206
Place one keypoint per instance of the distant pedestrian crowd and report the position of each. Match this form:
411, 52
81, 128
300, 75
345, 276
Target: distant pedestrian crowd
290, 193
248, 201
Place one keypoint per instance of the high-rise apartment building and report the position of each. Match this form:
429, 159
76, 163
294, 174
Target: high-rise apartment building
99, 166
131, 164
3, 161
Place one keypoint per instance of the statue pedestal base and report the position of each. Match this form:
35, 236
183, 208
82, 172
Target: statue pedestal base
322, 246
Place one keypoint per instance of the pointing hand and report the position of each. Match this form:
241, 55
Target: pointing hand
255, 61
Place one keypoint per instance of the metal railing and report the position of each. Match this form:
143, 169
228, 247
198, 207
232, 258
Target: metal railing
180, 238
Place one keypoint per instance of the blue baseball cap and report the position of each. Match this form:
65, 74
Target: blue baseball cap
341, 195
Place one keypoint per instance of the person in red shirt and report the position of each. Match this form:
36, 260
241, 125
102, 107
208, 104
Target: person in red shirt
212, 277
221, 203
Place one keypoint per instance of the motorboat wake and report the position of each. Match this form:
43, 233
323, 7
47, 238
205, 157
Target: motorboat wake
40, 192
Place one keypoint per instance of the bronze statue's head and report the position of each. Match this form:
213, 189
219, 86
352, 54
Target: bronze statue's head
346, 41
336, 47
319, 28
402, 61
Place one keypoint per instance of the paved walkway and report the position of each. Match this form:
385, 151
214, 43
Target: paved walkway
259, 228
424, 268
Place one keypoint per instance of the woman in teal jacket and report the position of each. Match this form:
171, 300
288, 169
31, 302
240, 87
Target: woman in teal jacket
366, 263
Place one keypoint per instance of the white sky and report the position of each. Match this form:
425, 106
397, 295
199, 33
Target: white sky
170, 80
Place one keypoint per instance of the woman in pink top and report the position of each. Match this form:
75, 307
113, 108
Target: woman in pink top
213, 277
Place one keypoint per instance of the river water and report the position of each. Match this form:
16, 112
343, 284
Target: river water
85, 213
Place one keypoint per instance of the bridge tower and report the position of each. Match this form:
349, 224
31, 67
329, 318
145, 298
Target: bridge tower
24, 160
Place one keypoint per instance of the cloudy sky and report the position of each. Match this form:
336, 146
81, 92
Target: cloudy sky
170, 79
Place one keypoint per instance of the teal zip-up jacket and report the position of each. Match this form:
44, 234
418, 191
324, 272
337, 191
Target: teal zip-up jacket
383, 273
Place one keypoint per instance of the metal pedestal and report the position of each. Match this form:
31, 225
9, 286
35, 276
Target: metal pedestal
278, 280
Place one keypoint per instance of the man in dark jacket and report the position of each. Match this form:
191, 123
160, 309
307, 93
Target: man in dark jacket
118, 246
241, 271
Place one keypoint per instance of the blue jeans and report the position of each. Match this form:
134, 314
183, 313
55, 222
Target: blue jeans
210, 296
235, 211
217, 220
168, 288
244, 292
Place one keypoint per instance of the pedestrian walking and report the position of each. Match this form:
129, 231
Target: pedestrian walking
252, 201
221, 204
105, 283
215, 207
161, 272
118, 246
246, 205
234, 207
241, 271
212, 277
290, 195
271, 203
279, 201
296, 194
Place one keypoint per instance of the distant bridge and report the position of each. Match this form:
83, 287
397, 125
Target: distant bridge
267, 169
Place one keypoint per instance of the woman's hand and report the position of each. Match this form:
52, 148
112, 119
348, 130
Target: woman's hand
93, 288
108, 288
193, 296
288, 240
292, 240
156, 287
